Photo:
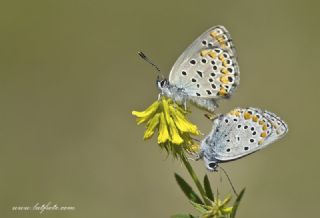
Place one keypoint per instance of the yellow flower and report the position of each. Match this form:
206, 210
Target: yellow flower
174, 130
217, 208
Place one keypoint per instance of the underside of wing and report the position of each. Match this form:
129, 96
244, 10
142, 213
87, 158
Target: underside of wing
209, 73
240, 133
280, 128
208, 67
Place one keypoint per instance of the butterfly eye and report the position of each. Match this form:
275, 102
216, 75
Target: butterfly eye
162, 83
212, 165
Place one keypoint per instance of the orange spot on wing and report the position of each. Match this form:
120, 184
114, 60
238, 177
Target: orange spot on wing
204, 52
247, 115
214, 34
224, 71
220, 39
212, 54
223, 92
224, 62
255, 118
221, 57
263, 135
224, 79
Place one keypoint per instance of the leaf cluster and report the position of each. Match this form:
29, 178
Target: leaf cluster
213, 207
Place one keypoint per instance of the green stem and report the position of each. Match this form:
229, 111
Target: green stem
195, 178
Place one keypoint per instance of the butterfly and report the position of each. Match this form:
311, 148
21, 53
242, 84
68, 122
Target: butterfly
205, 72
239, 133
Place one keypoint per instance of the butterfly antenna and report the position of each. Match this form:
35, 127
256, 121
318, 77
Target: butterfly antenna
148, 60
233, 189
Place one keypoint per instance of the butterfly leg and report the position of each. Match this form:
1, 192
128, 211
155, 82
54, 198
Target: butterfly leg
184, 100
211, 116
197, 157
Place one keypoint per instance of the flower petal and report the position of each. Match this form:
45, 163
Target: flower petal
182, 123
226, 210
173, 127
163, 130
175, 136
153, 123
146, 114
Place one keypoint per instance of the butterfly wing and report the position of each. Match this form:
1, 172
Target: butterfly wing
242, 132
208, 67
280, 128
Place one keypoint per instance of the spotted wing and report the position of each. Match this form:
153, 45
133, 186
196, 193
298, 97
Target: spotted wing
242, 132
208, 67
280, 128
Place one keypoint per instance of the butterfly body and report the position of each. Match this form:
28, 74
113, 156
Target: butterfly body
180, 96
205, 72
239, 133
175, 93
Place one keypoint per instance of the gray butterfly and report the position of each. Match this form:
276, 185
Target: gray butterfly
240, 133
205, 72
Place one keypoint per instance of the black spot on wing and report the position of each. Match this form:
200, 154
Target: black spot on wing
200, 73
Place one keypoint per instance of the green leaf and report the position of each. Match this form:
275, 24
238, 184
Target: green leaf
199, 207
188, 191
236, 204
207, 188
182, 216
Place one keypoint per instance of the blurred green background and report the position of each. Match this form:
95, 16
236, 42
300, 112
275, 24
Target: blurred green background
70, 77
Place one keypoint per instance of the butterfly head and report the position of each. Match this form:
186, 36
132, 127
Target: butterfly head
162, 83
211, 165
